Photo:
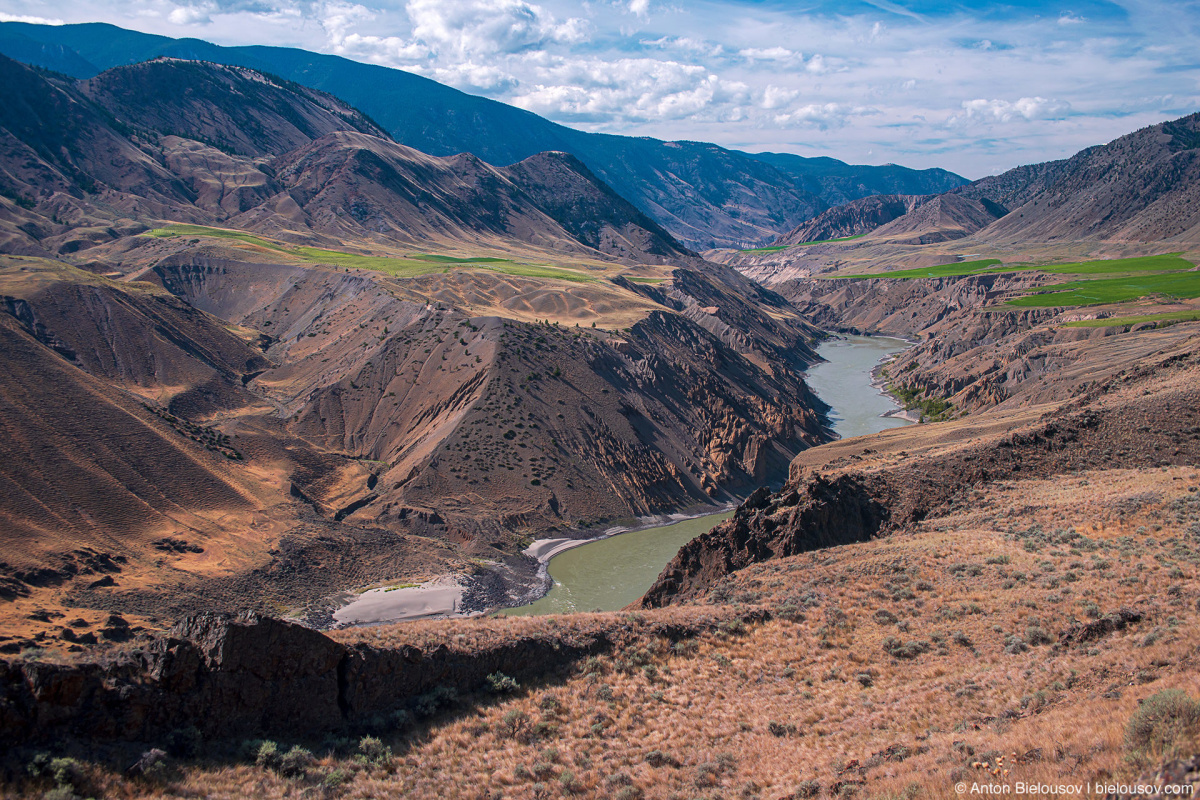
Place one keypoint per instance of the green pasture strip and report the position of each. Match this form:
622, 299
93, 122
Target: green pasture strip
954, 270
652, 281
221, 233
1184, 285
1167, 262
414, 267
1114, 322
830, 241
772, 249
455, 260
398, 267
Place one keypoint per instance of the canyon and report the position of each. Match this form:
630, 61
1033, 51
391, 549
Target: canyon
262, 353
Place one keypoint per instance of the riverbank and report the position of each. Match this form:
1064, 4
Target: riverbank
609, 573
592, 570
853, 365
516, 582
543, 550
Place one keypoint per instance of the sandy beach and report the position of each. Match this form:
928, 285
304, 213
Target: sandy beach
439, 597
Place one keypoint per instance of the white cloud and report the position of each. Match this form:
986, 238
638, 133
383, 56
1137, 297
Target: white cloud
188, 15
639, 7
694, 48
382, 49
29, 18
339, 18
770, 54
777, 96
1030, 108
469, 28
631, 89
822, 115
1067, 18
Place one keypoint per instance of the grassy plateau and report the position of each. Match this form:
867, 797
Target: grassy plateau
409, 266
1124, 279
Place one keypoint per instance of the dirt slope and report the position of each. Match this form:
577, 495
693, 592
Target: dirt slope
85, 163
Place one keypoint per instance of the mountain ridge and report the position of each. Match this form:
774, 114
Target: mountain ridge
703, 194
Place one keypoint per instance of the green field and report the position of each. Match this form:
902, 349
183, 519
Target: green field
400, 267
1112, 266
1114, 290
831, 241
955, 270
775, 248
1131, 278
1113, 322
772, 249
652, 281
221, 233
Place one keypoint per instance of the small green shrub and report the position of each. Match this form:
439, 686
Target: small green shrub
499, 683
268, 755
732, 627
67, 773
895, 648
335, 779
295, 762
436, 700
1163, 723
184, 742
809, 788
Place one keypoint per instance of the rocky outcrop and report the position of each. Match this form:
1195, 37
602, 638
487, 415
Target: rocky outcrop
1097, 629
822, 514
1179, 777
906, 308
246, 675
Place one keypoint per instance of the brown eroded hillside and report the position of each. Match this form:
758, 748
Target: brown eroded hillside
92, 161
852, 219
384, 366
1028, 624
348, 427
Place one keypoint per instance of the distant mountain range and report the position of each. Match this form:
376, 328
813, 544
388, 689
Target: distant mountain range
88, 161
1142, 187
704, 195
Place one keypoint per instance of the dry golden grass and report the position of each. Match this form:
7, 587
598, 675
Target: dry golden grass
820, 693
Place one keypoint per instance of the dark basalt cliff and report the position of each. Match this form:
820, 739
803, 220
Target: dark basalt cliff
237, 676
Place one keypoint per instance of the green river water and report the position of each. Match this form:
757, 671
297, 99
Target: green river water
608, 574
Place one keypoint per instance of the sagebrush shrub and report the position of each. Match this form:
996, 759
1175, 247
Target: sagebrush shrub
1163, 722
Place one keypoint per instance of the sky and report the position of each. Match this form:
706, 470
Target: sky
974, 87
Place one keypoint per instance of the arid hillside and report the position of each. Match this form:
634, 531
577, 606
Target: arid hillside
90, 162
274, 355
987, 602
1132, 196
